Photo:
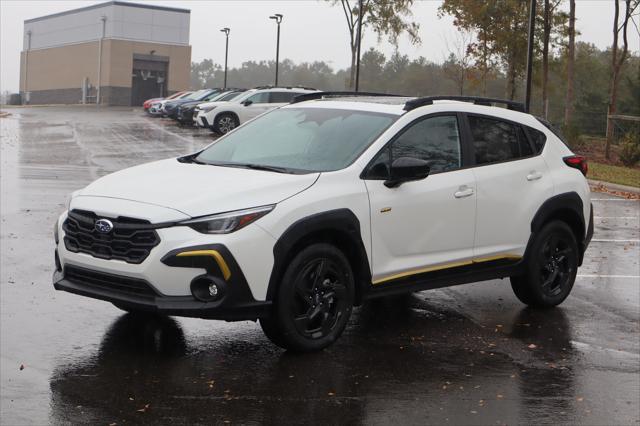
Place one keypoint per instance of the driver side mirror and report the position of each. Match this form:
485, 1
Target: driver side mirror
247, 102
407, 169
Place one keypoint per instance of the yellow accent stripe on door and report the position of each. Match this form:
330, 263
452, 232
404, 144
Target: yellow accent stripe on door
226, 272
445, 266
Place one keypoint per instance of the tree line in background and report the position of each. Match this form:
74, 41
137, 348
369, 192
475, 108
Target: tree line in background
402, 75
576, 85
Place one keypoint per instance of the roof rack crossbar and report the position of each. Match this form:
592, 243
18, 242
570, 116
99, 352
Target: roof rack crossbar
418, 102
319, 95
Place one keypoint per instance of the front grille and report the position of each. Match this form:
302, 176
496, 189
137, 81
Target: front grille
112, 283
130, 239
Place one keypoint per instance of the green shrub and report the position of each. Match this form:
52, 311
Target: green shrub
630, 150
572, 136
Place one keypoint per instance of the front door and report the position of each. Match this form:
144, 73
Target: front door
428, 224
254, 106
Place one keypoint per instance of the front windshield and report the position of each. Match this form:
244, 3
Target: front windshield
195, 95
299, 140
228, 96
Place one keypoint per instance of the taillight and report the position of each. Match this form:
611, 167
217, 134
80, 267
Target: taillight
577, 162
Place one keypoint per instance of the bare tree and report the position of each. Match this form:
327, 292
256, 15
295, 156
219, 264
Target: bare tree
388, 18
617, 62
458, 63
549, 16
571, 59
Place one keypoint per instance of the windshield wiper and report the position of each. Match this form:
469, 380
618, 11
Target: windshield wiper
262, 167
245, 166
190, 159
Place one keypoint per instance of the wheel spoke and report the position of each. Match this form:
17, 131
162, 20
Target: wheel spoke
304, 294
327, 323
550, 280
302, 322
318, 274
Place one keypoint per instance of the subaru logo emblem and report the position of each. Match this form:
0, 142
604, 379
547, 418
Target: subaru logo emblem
104, 226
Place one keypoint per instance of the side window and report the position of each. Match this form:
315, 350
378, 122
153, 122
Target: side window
496, 140
259, 98
537, 138
435, 140
281, 97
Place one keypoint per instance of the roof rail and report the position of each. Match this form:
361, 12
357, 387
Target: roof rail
418, 102
283, 87
319, 95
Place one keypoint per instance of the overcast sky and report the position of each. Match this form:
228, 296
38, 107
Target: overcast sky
311, 30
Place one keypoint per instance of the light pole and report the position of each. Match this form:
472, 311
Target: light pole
226, 31
103, 19
278, 18
532, 28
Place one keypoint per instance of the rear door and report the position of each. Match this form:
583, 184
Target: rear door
512, 182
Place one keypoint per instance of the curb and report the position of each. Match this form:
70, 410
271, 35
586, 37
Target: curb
614, 186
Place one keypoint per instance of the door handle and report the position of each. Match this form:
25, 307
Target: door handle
463, 191
534, 176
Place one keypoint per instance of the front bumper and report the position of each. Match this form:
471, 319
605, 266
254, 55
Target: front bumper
236, 304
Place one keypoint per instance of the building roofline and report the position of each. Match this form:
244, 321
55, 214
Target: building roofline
109, 3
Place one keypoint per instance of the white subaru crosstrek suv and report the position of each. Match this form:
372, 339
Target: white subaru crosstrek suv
224, 117
309, 210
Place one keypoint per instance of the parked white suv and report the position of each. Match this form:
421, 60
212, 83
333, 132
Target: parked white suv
307, 211
224, 117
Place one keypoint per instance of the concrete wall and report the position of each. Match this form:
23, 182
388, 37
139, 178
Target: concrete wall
55, 74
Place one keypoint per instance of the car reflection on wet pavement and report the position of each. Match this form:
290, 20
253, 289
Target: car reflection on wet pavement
465, 355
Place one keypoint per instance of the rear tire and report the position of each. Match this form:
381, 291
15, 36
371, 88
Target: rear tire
551, 267
314, 300
225, 122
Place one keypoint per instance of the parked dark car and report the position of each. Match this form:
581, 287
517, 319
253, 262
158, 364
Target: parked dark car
204, 95
187, 109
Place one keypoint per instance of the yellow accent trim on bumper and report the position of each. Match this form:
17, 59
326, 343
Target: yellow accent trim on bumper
226, 272
444, 266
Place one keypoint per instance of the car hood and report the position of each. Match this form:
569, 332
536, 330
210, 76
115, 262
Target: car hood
215, 103
197, 189
191, 104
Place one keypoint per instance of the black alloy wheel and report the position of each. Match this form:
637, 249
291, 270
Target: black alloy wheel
551, 267
314, 300
555, 265
320, 298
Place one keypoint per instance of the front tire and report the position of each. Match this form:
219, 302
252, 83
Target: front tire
551, 267
224, 123
314, 300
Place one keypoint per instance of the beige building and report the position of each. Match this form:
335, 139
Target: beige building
114, 53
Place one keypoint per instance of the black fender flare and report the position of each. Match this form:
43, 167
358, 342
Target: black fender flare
340, 224
567, 206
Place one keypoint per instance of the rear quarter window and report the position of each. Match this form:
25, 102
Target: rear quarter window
537, 138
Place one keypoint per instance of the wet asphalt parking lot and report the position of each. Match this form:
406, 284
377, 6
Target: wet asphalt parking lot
470, 354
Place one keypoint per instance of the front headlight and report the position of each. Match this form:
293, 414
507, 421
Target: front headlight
225, 223
207, 109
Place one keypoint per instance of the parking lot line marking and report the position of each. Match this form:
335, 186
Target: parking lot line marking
604, 240
606, 276
613, 199
616, 217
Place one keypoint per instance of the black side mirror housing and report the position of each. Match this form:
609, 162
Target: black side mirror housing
247, 103
407, 169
